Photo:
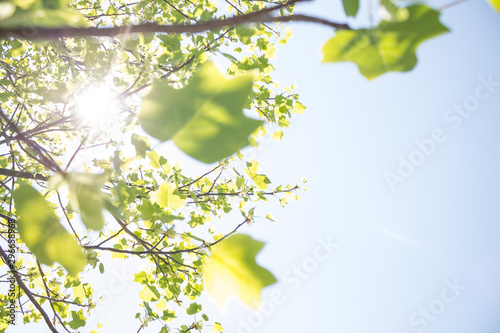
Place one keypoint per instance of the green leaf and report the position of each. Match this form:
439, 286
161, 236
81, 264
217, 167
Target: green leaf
389, 47
40, 230
231, 269
78, 319
43, 17
245, 33
149, 310
86, 194
147, 209
205, 118
155, 160
6, 82
167, 196
193, 308
171, 233
149, 293
261, 181
124, 194
230, 57
390, 12
141, 143
350, 7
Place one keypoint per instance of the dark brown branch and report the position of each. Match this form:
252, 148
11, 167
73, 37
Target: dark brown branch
61, 300
22, 174
202, 176
148, 246
36, 33
44, 158
112, 249
75, 153
38, 129
8, 218
203, 246
235, 194
158, 253
180, 12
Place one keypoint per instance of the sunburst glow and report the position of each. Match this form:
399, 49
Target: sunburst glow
96, 105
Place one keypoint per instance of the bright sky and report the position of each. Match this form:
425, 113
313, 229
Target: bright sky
356, 255
404, 256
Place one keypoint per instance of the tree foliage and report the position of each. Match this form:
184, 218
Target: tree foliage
89, 89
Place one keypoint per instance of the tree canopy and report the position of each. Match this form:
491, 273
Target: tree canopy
89, 89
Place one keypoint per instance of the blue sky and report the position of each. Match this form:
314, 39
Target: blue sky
399, 251
419, 257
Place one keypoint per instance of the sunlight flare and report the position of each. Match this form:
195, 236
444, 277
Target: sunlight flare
96, 105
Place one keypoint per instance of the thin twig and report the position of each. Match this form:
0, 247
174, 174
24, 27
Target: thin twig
50, 299
29, 293
451, 4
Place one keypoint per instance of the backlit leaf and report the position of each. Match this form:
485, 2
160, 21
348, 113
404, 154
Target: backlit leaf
390, 47
42, 14
205, 119
231, 269
495, 4
167, 196
149, 293
141, 144
86, 194
217, 328
40, 230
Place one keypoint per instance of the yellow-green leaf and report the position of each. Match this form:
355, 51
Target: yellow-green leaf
149, 294
232, 270
495, 4
44, 17
390, 47
217, 328
86, 194
167, 196
40, 230
141, 143
205, 119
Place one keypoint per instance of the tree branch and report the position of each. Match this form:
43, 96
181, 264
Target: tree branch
7, 218
36, 33
44, 158
22, 174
